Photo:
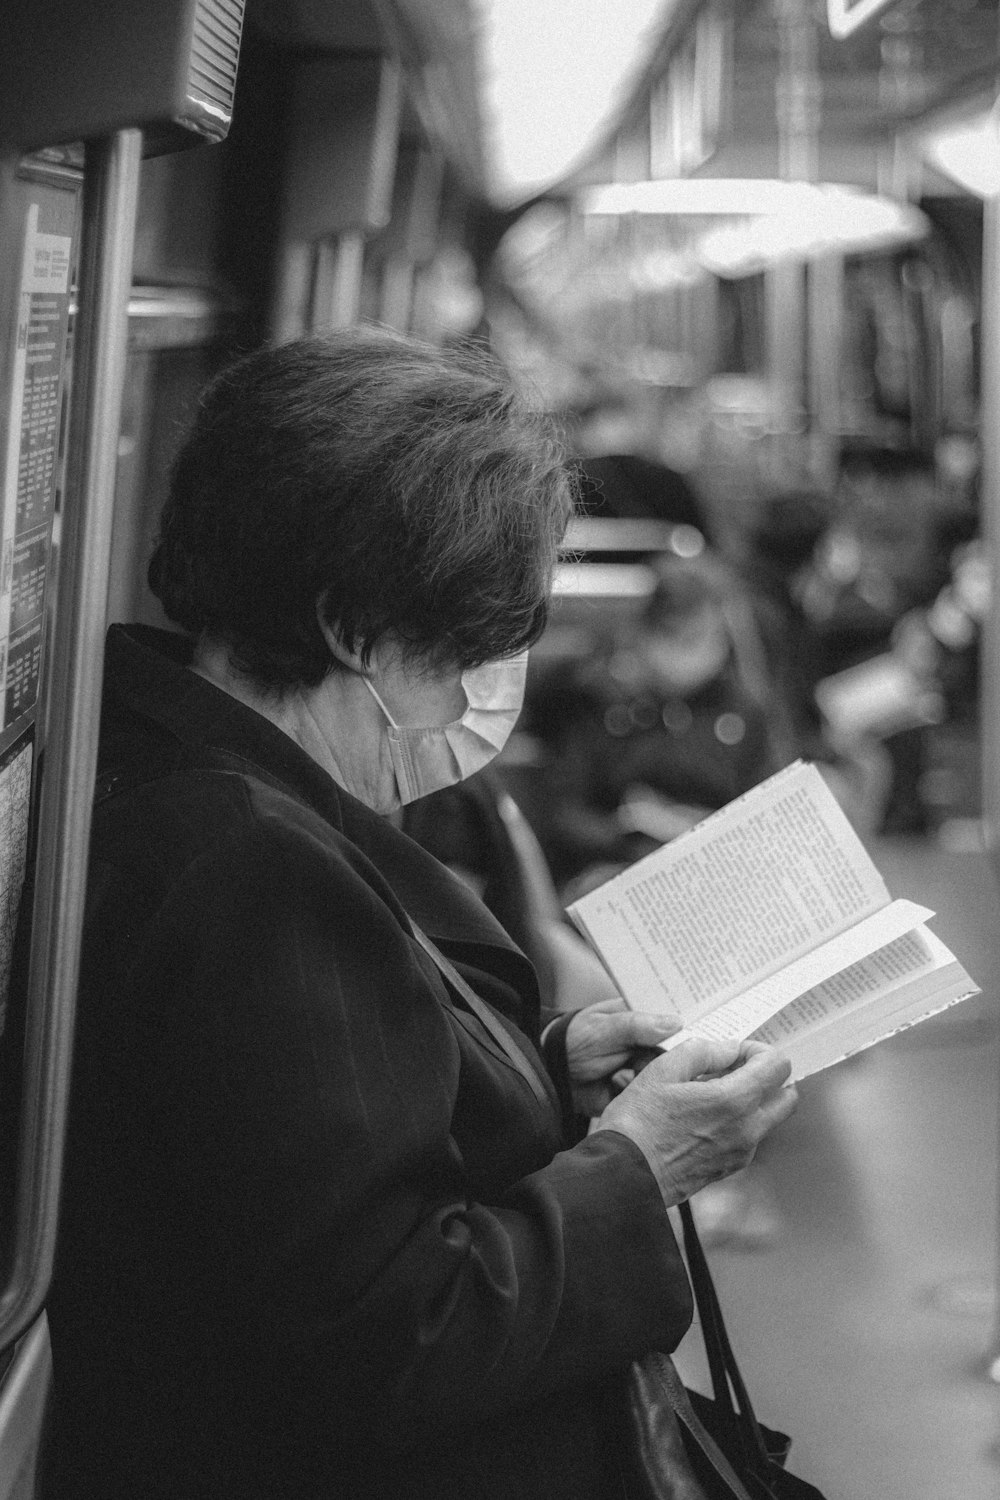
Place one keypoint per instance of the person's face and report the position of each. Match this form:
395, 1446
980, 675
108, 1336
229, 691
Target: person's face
891, 519
690, 655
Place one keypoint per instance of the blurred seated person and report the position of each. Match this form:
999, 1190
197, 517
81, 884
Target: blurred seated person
675, 718
626, 486
621, 472
955, 623
880, 560
887, 706
781, 547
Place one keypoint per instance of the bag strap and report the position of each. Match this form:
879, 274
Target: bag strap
687, 1416
484, 1015
727, 1382
713, 1335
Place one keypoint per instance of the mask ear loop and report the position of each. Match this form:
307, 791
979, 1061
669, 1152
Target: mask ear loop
371, 688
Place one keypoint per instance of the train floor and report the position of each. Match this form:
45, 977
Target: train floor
864, 1312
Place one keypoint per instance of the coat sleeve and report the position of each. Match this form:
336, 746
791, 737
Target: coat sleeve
299, 1085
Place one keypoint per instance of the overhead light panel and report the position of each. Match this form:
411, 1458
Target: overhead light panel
828, 220
845, 16
732, 196
968, 151
769, 220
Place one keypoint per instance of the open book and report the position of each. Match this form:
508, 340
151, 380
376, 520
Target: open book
769, 920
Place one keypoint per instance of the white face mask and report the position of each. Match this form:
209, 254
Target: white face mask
425, 759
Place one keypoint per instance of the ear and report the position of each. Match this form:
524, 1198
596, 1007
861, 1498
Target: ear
338, 650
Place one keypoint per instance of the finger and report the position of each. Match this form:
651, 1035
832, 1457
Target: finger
767, 1066
648, 1031
607, 1007
641, 1057
636, 1029
695, 1059
604, 1065
749, 1048
773, 1111
762, 1075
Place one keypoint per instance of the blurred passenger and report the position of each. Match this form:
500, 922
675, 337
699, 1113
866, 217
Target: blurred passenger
880, 556
626, 486
955, 623
881, 559
677, 716
893, 704
621, 473
781, 547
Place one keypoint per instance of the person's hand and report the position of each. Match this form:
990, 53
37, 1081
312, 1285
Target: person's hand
699, 1112
606, 1044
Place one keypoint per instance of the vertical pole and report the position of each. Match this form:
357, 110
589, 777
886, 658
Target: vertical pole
337, 289
76, 665
797, 110
706, 346
989, 429
798, 92
826, 314
785, 302
990, 441
292, 291
397, 293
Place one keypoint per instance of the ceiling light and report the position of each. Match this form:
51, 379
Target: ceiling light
694, 195
770, 220
845, 16
827, 220
968, 152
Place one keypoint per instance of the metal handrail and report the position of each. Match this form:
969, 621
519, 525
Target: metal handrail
76, 662
627, 534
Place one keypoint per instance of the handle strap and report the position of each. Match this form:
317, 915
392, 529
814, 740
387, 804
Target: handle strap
689, 1419
710, 1316
484, 1015
727, 1382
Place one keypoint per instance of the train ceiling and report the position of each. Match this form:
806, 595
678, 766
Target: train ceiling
914, 61
910, 61
436, 41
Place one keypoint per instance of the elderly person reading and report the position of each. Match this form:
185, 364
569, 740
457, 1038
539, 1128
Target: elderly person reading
328, 1229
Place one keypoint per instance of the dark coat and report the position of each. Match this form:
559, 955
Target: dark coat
318, 1236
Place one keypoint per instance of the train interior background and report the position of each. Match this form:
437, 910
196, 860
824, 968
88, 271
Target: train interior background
755, 287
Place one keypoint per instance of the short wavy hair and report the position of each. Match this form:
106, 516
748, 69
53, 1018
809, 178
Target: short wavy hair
407, 489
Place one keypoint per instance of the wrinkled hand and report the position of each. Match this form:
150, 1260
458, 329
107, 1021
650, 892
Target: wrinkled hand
700, 1111
606, 1044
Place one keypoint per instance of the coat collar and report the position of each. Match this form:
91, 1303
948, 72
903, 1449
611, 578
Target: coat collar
159, 717
147, 673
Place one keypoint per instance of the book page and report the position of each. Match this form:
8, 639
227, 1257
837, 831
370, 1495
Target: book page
881, 973
897, 986
749, 890
745, 1014
830, 1046
834, 1033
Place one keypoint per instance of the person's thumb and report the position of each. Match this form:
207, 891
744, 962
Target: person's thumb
638, 1029
699, 1057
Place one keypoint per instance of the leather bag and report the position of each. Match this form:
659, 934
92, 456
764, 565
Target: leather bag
681, 1445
